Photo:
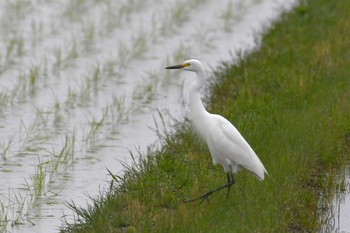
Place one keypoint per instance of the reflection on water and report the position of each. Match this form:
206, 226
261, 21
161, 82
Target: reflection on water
335, 215
342, 208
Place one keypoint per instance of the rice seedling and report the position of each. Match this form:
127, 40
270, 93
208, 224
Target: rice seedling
112, 19
118, 14
31, 136
57, 114
19, 207
10, 48
47, 171
136, 49
74, 9
85, 92
91, 136
91, 84
3, 218
14, 49
58, 57
17, 8
72, 53
179, 14
144, 93
112, 116
146, 90
61, 160
174, 17
88, 36
96, 77
123, 55
109, 69
127, 7
119, 112
65, 58
27, 83
71, 99
38, 179
8, 213
1, 64
205, 38
17, 93
21, 88
233, 14
37, 30
228, 17
181, 52
139, 45
4, 100
5, 148
34, 73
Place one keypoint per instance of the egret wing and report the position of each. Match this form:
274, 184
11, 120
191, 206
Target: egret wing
229, 143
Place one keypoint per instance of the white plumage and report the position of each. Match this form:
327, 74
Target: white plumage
230, 149
227, 146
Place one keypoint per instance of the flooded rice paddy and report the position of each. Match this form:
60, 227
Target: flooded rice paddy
82, 83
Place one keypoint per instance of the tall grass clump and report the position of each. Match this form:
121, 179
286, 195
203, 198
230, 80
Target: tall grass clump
290, 101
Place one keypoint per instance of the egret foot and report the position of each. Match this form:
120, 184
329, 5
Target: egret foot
205, 196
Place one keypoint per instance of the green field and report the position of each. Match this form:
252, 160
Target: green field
290, 100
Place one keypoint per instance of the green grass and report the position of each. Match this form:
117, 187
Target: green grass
290, 100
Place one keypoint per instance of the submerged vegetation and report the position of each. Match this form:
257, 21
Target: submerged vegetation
290, 101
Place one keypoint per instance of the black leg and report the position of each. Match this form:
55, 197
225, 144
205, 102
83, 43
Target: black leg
230, 182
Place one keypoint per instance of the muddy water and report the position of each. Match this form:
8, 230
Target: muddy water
81, 83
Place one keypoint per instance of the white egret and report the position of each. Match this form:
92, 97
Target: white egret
227, 146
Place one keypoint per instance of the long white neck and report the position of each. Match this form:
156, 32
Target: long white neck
198, 111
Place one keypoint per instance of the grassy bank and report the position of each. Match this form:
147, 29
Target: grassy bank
290, 100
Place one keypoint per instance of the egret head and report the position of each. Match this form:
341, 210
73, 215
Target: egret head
190, 65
